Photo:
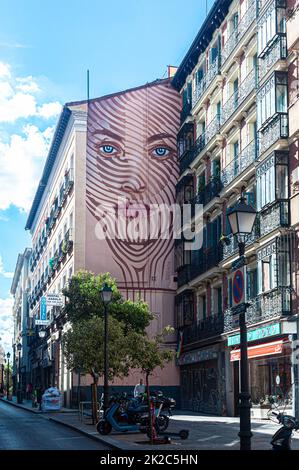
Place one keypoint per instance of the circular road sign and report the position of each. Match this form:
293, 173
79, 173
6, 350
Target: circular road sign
238, 286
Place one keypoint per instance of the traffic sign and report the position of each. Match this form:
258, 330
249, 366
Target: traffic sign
238, 287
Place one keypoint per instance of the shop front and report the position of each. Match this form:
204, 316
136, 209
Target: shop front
202, 380
270, 369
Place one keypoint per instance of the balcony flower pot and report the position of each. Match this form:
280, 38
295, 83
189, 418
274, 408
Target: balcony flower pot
224, 239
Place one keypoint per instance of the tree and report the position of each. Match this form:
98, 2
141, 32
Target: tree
84, 302
84, 348
147, 355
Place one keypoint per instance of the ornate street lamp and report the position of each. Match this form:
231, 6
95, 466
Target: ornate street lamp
19, 394
106, 296
7, 378
241, 219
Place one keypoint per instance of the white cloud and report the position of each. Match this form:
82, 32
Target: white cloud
6, 322
21, 162
48, 110
4, 273
19, 98
23, 152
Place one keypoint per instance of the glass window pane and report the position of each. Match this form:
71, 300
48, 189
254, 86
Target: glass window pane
281, 182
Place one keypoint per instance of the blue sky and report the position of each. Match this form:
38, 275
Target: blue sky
45, 49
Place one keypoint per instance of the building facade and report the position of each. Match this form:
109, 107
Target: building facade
239, 135
121, 145
20, 290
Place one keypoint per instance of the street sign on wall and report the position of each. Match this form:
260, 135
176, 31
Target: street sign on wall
238, 287
54, 300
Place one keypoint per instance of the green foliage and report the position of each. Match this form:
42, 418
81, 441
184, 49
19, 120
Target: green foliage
84, 302
84, 347
147, 354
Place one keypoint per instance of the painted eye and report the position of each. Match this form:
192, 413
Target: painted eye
161, 152
108, 149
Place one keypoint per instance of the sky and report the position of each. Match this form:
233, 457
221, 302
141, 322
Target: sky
45, 51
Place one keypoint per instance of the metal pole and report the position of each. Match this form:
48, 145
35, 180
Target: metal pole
7, 380
244, 397
106, 365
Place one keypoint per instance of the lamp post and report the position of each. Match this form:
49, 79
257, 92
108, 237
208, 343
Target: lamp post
7, 378
241, 219
19, 394
106, 296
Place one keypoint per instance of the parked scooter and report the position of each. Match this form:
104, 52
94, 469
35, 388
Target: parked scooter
282, 439
129, 414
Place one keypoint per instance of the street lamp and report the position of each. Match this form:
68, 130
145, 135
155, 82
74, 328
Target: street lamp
241, 219
42, 334
106, 295
19, 395
7, 378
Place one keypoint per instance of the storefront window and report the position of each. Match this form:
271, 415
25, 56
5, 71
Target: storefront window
270, 379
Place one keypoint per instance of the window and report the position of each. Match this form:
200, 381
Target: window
272, 180
201, 307
251, 284
71, 220
273, 22
70, 272
272, 98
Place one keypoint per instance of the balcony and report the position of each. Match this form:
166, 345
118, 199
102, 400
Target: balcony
211, 73
186, 110
202, 141
274, 217
244, 24
272, 304
186, 159
239, 164
204, 329
209, 259
239, 96
278, 51
231, 247
211, 190
276, 129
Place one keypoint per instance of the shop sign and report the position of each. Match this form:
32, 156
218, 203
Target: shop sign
198, 356
259, 333
267, 349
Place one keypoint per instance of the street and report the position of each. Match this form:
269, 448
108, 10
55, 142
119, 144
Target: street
21, 430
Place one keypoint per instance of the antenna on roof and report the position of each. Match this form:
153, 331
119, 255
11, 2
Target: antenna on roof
87, 85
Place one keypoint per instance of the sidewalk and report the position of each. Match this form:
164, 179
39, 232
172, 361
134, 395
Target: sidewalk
205, 432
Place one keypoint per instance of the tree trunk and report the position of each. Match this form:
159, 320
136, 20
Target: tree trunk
149, 408
94, 399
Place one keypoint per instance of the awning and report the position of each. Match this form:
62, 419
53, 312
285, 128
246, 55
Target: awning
265, 349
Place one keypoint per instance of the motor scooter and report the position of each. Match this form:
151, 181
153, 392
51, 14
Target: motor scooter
128, 414
282, 439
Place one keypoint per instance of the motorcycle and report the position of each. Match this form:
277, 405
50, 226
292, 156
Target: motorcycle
126, 413
282, 439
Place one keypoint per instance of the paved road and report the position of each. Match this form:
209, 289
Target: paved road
22, 430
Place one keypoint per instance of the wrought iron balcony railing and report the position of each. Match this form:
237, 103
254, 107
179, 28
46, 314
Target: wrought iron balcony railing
244, 24
274, 130
239, 96
245, 158
272, 304
278, 51
211, 73
209, 259
211, 190
186, 159
231, 247
206, 328
275, 216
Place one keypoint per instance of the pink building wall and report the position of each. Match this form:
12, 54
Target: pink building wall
131, 153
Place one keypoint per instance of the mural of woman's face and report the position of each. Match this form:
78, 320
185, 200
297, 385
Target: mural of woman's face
131, 154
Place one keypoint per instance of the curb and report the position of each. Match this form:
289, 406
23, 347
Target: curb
17, 405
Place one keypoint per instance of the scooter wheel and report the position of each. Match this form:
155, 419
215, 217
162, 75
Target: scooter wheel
184, 434
104, 427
